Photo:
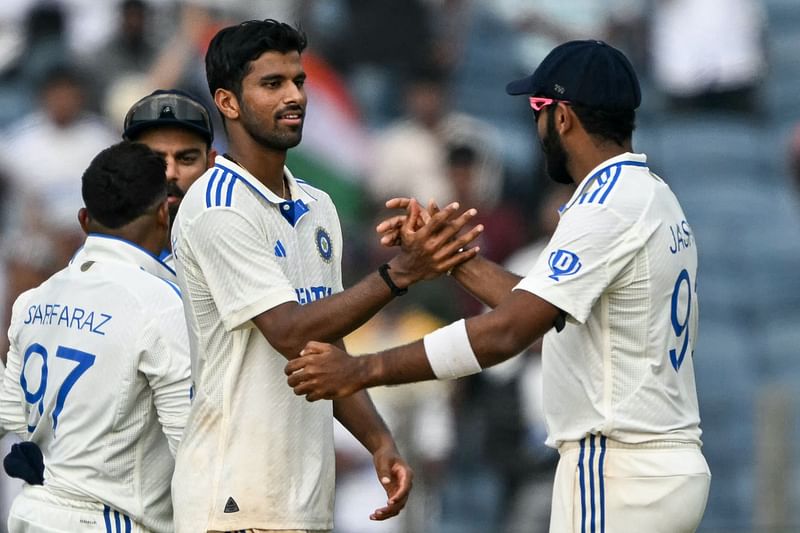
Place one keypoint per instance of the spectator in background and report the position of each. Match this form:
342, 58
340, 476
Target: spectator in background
376, 44
129, 51
410, 156
505, 227
727, 74
178, 64
545, 23
46, 152
42, 45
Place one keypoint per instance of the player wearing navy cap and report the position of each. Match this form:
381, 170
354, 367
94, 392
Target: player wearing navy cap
613, 293
177, 127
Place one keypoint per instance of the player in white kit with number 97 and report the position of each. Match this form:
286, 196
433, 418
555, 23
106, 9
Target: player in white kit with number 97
614, 294
98, 371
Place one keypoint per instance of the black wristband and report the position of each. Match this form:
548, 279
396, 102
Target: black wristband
383, 270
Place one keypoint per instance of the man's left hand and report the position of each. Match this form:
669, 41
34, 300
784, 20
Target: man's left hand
396, 478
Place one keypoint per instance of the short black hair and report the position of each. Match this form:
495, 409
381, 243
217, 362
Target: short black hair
122, 183
611, 125
233, 48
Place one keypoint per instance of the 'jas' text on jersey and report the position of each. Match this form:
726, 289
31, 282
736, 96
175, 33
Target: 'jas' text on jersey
681, 236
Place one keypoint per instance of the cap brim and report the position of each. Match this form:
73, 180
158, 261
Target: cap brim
523, 86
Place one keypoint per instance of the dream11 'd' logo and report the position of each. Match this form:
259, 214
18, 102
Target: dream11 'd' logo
563, 263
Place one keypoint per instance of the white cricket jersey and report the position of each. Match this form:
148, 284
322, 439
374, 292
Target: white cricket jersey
254, 455
622, 264
98, 376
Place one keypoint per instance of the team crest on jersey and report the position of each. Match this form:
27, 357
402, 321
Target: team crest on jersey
563, 263
324, 244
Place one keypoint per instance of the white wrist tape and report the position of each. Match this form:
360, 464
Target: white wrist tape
450, 353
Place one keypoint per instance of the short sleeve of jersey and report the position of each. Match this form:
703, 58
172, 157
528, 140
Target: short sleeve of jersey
12, 414
239, 268
590, 247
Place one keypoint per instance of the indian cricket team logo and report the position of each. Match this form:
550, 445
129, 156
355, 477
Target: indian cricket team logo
324, 245
563, 263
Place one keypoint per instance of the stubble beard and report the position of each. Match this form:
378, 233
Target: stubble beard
275, 139
556, 157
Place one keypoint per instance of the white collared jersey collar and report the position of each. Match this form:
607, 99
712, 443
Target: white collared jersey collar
220, 189
108, 248
596, 186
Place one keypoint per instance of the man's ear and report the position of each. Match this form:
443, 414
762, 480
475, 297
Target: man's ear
84, 220
212, 155
163, 213
227, 103
565, 118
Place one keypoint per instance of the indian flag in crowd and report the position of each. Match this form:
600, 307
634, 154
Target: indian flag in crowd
334, 152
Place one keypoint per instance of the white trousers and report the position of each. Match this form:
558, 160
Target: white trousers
603, 486
37, 511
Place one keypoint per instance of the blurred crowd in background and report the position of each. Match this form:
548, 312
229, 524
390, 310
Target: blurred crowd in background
407, 98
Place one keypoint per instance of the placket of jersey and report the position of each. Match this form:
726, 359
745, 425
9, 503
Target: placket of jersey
591, 465
291, 237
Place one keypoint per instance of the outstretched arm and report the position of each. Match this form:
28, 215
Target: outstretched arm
323, 371
485, 280
426, 253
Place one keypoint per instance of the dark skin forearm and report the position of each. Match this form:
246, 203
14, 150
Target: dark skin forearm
323, 371
359, 416
289, 326
485, 280
428, 251
494, 337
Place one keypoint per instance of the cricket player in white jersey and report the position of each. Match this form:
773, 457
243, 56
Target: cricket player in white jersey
613, 294
258, 255
98, 365
177, 127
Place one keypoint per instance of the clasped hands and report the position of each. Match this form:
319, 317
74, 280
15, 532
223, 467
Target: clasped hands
430, 244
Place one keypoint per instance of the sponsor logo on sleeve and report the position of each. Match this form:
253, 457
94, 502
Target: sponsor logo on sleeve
563, 263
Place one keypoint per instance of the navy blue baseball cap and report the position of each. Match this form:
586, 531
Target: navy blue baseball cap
168, 108
589, 73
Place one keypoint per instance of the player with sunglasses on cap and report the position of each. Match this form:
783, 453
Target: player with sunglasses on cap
177, 127
613, 294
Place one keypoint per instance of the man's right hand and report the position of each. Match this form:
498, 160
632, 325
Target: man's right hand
429, 242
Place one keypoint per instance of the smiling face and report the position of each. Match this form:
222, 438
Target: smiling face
273, 100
